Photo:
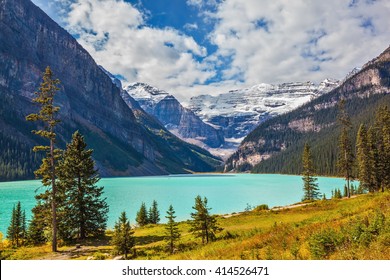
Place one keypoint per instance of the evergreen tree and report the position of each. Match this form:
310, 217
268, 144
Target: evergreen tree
172, 230
382, 129
47, 114
16, 232
154, 214
363, 158
38, 226
310, 187
203, 224
85, 211
123, 240
142, 216
376, 179
345, 155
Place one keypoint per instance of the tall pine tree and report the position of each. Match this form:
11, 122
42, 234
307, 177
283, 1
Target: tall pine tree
310, 187
374, 160
203, 224
382, 130
85, 211
171, 229
47, 115
345, 155
363, 158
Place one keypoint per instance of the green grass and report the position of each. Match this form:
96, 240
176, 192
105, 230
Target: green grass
356, 228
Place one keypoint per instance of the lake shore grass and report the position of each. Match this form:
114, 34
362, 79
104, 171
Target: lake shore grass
355, 228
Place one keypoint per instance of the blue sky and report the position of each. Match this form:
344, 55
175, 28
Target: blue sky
190, 47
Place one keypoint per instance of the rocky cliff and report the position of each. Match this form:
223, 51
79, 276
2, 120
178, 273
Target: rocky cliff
177, 119
89, 101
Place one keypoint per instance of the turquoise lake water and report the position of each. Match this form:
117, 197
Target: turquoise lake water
225, 193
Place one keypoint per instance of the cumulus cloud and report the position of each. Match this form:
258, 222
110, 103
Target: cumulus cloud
278, 41
248, 42
115, 34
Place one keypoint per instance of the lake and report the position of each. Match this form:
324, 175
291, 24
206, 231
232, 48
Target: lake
225, 193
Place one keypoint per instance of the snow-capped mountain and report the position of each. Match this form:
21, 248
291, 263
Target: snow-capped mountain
146, 95
179, 120
238, 112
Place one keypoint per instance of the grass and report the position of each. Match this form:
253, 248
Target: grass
356, 228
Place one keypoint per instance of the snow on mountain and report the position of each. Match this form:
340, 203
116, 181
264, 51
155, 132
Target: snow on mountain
238, 112
178, 120
147, 96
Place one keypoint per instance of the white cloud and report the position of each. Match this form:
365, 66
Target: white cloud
256, 41
202, 3
280, 41
115, 34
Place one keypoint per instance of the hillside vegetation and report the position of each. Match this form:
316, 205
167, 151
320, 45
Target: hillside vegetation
356, 228
276, 145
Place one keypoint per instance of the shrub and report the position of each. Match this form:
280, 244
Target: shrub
323, 243
261, 207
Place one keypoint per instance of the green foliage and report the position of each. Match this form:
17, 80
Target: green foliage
154, 214
323, 243
39, 225
286, 144
310, 187
142, 218
122, 239
16, 232
261, 207
172, 230
203, 224
84, 211
363, 158
47, 115
345, 158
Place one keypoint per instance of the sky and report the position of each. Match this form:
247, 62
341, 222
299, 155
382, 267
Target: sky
191, 47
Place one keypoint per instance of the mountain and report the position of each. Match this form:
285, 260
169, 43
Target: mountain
276, 145
238, 112
179, 120
89, 102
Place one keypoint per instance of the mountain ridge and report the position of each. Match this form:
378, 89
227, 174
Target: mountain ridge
89, 102
276, 145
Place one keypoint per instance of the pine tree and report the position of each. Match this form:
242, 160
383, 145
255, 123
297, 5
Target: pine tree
85, 211
310, 187
154, 214
123, 240
142, 216
382, 129
374, 160
203, 224
39, 224
16, 232
363, 158
345, 155
47, 114
172, 230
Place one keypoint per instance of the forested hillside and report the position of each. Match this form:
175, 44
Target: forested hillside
276, 145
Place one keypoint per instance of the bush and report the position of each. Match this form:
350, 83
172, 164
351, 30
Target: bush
227, 235
261, 207
323, 243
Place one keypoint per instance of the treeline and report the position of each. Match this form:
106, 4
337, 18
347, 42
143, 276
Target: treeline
368, 161
324, 144
17, 160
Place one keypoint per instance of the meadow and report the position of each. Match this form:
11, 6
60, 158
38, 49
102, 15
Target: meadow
347, 229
